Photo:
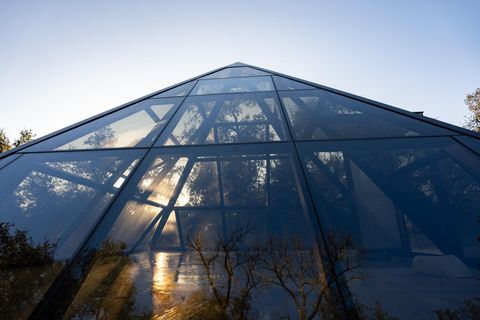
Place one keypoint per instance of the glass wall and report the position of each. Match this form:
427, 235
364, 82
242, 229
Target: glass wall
243, 195
48, 206
410, 206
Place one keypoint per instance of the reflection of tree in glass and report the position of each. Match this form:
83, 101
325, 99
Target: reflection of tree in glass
108, 292
102, 137
26, 271
305, 276
231, 271
286, 263
201, 187
244, 181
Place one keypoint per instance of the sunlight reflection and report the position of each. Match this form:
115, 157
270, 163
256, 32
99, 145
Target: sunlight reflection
163, 282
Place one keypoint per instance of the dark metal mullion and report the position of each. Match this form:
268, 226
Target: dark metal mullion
267, 178
222, 200
173, 115
152, 114
6, 163
202, 132
465, 145
169, 165
244, 157
340, 286
274, 120
241, 123
173, 147
311, 116
54, 172
334, 179
347, 163
179, 229
144, 198
171, 203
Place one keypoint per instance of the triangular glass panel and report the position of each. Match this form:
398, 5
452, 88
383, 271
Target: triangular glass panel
134, 126
234, 118
233, 85
236, 72
282, 83
318, 114
180, 91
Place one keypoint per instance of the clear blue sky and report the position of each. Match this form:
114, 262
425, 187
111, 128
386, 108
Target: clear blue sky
63, 61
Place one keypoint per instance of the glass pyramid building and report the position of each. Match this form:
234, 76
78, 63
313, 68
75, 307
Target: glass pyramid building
243, 194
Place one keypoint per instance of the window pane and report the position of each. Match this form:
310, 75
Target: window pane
234, 118
410, 207
318, 114
282, 83
233, 85
236, 72
180, 91
48, 205
134, 126
180, 262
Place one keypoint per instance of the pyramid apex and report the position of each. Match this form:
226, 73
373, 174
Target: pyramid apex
237, 64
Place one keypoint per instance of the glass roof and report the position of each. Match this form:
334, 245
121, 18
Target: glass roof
246, 194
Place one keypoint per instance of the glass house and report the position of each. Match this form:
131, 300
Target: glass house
243, 194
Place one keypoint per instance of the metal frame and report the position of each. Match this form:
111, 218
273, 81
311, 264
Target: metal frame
55, 290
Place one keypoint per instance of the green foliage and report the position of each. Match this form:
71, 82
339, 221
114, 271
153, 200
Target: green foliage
4, 141
473, 103
25, 136
17, 249
26, 271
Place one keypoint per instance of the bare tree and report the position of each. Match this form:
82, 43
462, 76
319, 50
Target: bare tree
473, 103
307, 276
231, 271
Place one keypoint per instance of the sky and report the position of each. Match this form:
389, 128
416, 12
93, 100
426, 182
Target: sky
64, 61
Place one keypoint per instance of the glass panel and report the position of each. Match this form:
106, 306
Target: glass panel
470, 142
410, 209
233, 239
134, 126
236, 72
180, 91
318, 114
233, 85
282, 83
48, 205
5, 161
234, 118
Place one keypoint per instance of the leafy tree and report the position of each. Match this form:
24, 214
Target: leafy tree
473, 103
27, 269
25, 136
4, 141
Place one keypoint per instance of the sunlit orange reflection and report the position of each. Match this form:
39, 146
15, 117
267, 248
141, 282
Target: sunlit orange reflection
163, 283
